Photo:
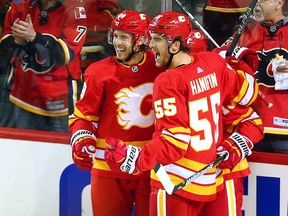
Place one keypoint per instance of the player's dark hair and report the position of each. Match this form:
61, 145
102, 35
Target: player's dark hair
143, 47
183, 48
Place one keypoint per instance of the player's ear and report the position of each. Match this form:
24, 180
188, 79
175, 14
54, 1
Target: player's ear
280, 4
175, 46
140, 40
139, 44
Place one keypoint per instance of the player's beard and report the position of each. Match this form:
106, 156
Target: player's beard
258, 14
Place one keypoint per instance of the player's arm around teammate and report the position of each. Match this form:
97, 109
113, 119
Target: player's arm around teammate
188, 101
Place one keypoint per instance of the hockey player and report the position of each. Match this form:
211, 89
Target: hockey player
198, 41
267, 39
188, 101
116, 102
239, 122
48, 37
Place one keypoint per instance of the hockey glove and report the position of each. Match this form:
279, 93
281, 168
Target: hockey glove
238, 147
83, 144
121, 157
249, 56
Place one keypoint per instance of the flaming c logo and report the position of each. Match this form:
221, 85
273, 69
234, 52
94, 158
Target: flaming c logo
265, 76
135, 106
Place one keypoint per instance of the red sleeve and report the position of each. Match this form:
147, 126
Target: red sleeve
252, 128
235, 87
72, 39
171, 139
227, 6
11, 15
74, 30
244, 121
86, 114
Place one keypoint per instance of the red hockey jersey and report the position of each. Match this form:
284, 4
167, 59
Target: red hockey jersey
99, 17
188, 105
227, 6
268, 41
243, 120
116, 101
40, 76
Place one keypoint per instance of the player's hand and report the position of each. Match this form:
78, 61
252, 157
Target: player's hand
249, 56
121, 157
83, 144
238, 147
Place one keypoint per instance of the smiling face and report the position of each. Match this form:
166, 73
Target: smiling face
123, 44
159, 46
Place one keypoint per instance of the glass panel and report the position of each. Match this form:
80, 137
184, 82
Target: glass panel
57, 29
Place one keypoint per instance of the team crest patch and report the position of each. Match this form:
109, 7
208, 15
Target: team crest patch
80, 13
134, 68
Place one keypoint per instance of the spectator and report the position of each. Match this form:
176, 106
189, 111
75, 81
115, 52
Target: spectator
116, 101
48, 36
100, 13
5, 105
4, 5
221, 17
188, 119
268, 38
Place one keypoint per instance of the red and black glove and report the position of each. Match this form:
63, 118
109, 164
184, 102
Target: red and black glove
121, 157
238, 147
83, 144
249, 56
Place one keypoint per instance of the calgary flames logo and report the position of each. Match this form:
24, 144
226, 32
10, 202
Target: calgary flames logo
265, 77
40, 59
135, 106
36, 64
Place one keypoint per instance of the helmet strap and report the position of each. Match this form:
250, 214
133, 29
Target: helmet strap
171, 56
170, 59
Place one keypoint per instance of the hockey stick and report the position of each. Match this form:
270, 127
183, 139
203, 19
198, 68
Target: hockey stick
269, 104
235, 40
239, 31
170, 187
241, 27
196, 22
